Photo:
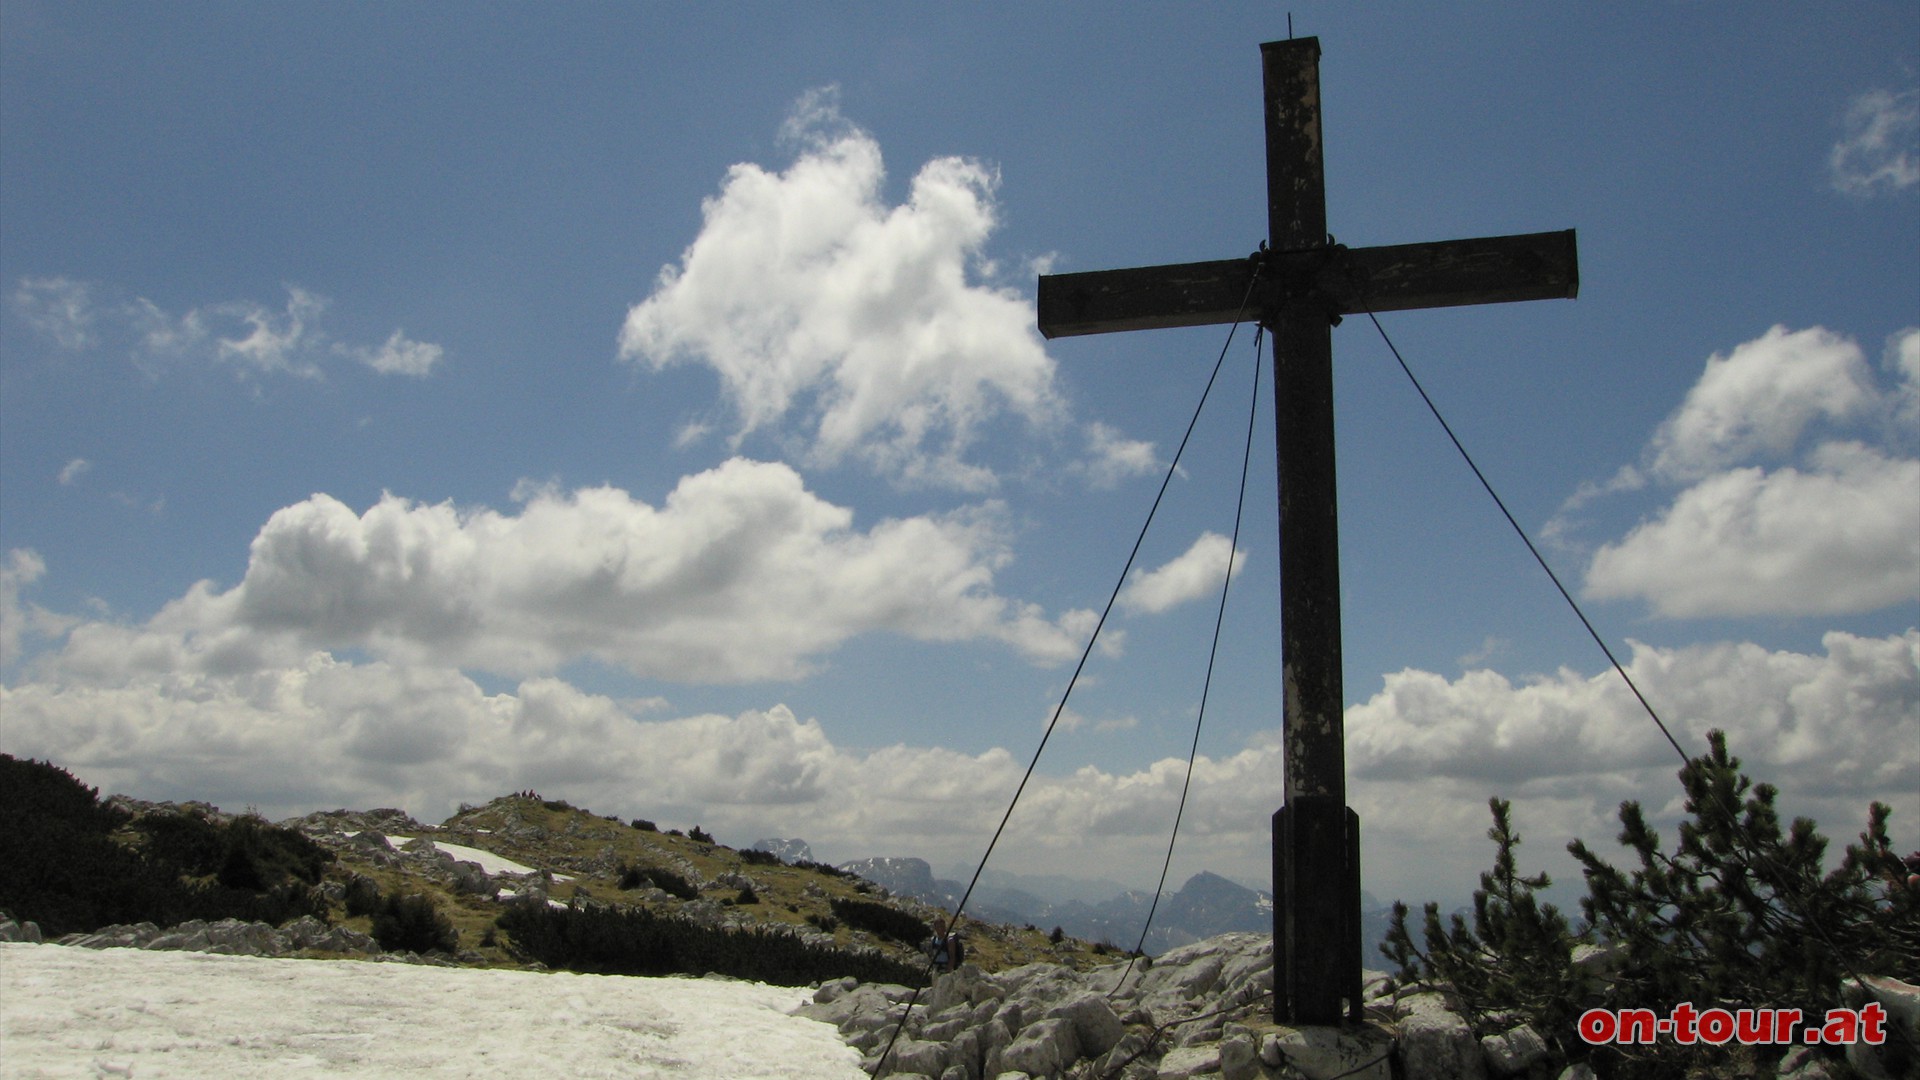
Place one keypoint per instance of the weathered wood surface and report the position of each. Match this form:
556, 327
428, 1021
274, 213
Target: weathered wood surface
1397, 277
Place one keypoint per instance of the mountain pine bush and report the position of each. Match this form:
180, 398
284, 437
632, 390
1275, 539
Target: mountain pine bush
888, 922
658, 877
1738, 914
413, 923
66, 867
637, 941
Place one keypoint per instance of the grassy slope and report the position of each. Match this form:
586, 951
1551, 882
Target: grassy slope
591, 849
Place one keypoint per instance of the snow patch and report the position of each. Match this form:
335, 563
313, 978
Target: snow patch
128, 1012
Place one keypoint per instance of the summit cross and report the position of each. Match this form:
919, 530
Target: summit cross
1298, 285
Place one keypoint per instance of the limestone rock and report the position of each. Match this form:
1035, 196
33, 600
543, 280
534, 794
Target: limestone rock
1239, 1058
1044, 1048
1320, 1053
915, 1056
19, 931
1897, 1056
1514, 1052
471, 879
1436, 1042
1184, 1062
1095, 1026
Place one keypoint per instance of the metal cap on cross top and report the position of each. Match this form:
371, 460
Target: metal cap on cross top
1298, 284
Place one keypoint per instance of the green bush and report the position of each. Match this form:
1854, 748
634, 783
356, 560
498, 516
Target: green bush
1517, 957
888, 922
658, 877
65, 867
362, 896
1739, 914
636, 941
413, 923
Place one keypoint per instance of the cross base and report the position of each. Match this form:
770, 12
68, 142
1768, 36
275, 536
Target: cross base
1316, 916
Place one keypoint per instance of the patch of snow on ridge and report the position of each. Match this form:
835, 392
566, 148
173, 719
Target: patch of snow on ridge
491, 863
127, 1012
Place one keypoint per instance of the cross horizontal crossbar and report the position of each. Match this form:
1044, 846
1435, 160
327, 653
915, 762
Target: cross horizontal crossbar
1448, 273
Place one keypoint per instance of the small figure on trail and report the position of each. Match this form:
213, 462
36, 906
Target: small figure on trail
944, 947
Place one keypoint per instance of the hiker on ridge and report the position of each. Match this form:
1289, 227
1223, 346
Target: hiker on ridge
944, 947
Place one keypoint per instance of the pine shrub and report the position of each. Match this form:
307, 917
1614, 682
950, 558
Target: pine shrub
413, 923
636, 941
888, 922
63, 866
1738, 914
658, 877
362, 896
1516, 957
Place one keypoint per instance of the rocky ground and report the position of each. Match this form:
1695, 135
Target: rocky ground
1205, 1010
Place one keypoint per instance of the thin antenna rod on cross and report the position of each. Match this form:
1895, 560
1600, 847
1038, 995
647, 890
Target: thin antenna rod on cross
1301, 283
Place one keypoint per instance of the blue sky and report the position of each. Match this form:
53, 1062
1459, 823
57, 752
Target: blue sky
402, 405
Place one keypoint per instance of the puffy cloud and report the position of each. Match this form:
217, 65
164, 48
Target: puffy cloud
1839, 533
806, 293
1880, 150
74, 470
22, 568
1192, 575
1839, 717
248, 337
1831, 730
1842, 537
1758, 399
741, 574
1112, 458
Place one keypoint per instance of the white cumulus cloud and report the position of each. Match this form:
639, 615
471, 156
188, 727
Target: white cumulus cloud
1798, 491
1831, 728
810, 296
1840, 537
740, 574
1758, 399
1111, 457
1192, 575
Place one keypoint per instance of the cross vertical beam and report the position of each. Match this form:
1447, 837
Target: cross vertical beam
1314, 917
1298, 285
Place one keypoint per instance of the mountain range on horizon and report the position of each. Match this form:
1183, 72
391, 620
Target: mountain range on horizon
1091, 909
